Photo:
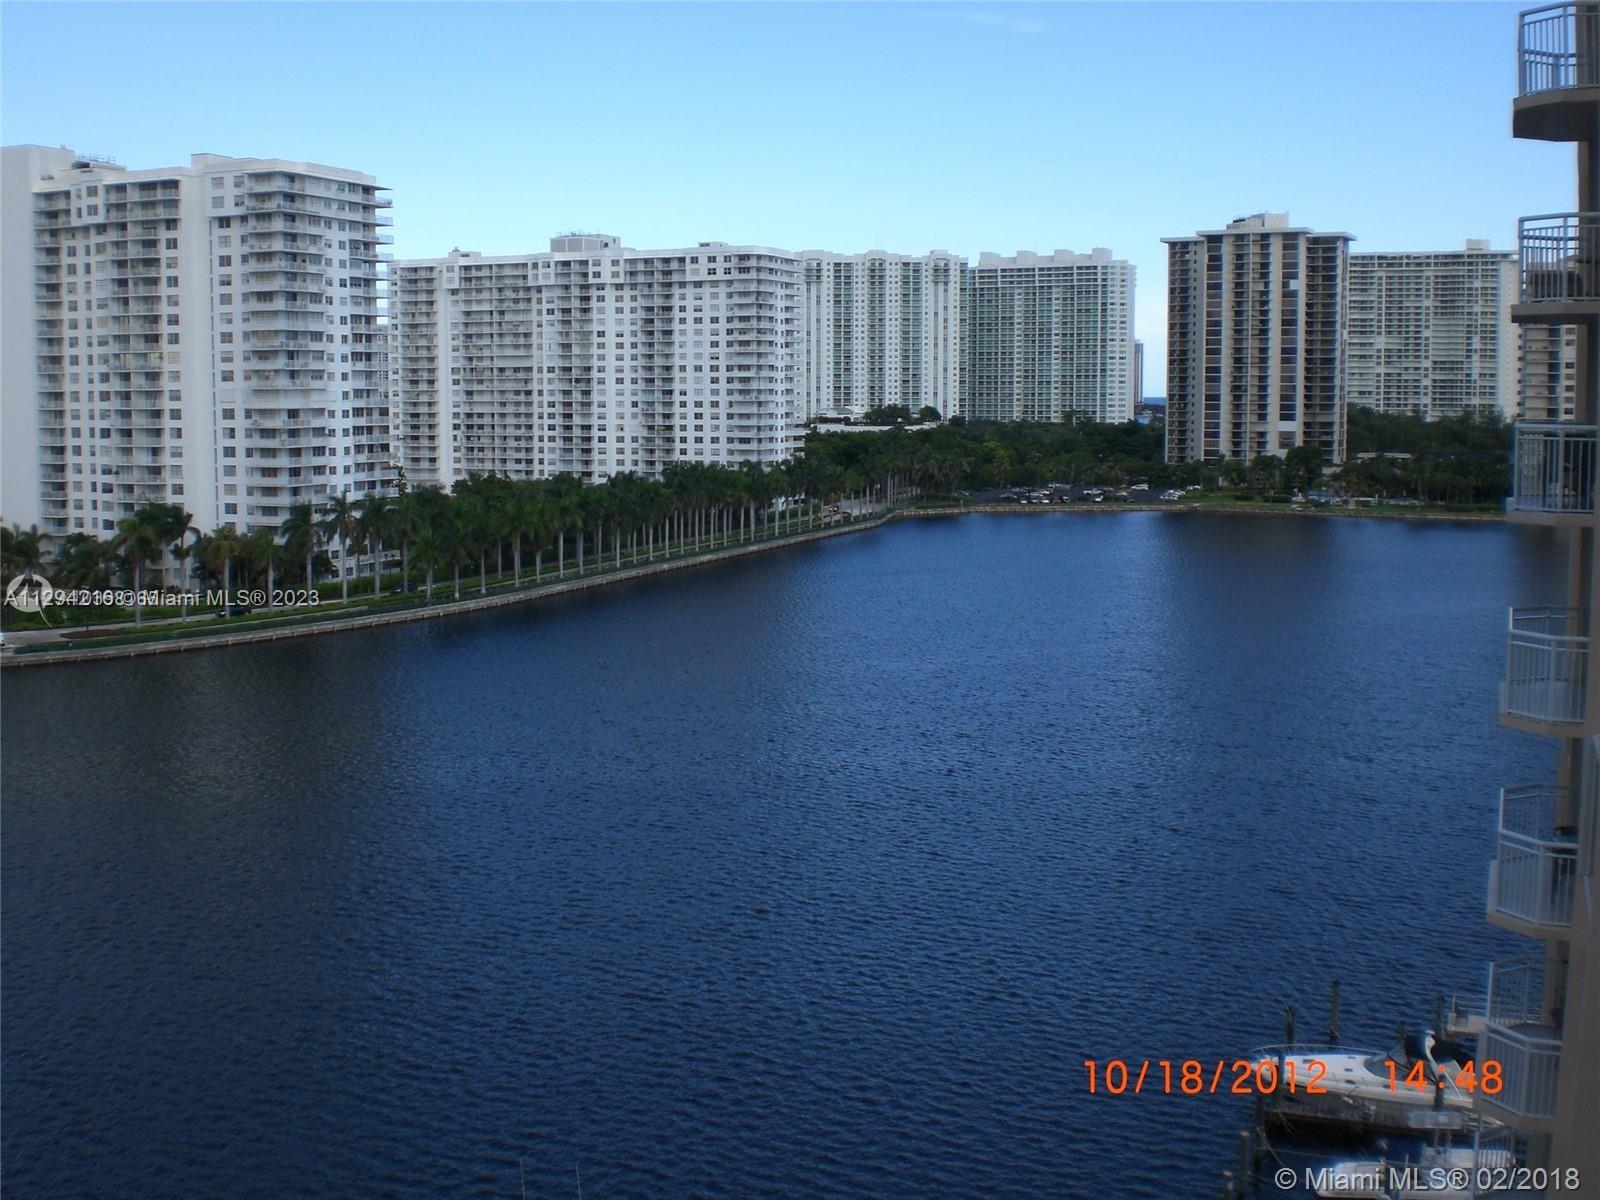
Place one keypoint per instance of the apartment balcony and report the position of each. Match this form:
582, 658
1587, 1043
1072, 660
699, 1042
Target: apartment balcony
1547, 672
1519, 1036
1558, 72
1531, 880
1553, 473
1559, 257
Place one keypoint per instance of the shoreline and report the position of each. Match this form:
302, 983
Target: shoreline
529, 595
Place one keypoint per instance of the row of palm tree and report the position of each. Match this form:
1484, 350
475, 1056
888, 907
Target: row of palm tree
483, 519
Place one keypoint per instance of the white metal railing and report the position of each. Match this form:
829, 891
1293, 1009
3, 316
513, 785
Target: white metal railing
1557, 48
1536, 866
1553, 468
1547, 665
1516, 992
1466, 1014
1559, 257
1530, 1069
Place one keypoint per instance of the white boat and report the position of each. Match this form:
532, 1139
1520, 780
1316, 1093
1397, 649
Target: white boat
1412, 1087
1443, 1174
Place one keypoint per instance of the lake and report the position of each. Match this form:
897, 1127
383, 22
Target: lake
817, 873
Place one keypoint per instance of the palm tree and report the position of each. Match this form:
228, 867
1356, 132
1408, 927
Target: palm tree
522, 520
475, 527
220, 550
82, 561
301, 535
426, 549
341, 520
377, 519
757, 490
138, 541
180, 533
260, 552
21, 549
405, 525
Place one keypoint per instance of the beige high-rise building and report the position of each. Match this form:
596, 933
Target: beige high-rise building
1430, 332
1542, 1022
1256, 316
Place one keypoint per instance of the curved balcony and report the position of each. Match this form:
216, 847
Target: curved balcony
1558, 72
1559, 258
1553, 473
1531, 881
1547, 672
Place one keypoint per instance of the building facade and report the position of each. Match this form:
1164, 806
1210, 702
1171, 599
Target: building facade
593, 359
1256, 316
1547, 388
1541, 1018
206, 336
1430, 332
880, 330
1048, 337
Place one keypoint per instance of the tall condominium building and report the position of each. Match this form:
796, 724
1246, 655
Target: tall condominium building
1430, 332
594, 359
1541, 1017
1255, 341
1548, 379
205, 336
1048, 337
880, 329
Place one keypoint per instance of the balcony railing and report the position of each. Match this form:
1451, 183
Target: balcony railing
1537, 861
1519, 1037
1560, 257
1516, 993
1557, 48
1547, 665
1553, 468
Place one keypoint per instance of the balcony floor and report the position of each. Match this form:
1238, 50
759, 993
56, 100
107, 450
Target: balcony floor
1560, 115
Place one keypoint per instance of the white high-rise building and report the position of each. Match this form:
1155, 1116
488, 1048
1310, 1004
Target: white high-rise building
880, 330
206, 336
593, 359
1048, 337
1430, 332
1256, 341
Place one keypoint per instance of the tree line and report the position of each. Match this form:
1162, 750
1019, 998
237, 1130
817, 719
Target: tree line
428, 532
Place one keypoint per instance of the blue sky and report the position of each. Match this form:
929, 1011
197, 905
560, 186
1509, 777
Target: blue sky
901, 126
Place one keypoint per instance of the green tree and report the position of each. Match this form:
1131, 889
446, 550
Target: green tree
340, 522
1302, 466
220, 550
138, 541
374, 526
302, 536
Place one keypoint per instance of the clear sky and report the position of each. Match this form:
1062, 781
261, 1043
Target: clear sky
848, 127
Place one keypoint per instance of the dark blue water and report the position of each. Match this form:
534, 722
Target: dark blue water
816, 874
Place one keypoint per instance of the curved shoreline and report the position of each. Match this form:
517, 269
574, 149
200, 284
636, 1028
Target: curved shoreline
601, 579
